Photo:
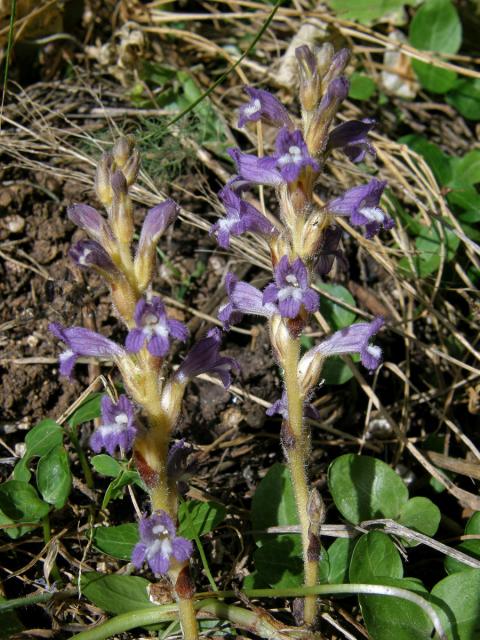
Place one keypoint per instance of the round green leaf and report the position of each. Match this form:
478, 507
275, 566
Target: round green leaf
375, 556
364, 488
434, 79
388, 618
465, 97
204, 516
279, 561
117, 541
437, 160
106, 465
19, 502
457, 599
116, 593
366, 10
274, 502
335, 371
422, 515
473, 525
335, 313
471, 548
54, 478
46, 435
361, 87
339, 554
436, 27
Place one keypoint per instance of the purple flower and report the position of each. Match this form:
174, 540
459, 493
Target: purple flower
89, 253
82, 342
243, 299
252, 169
351, 137
156, 222
241, 217
281, 407
263, 106
361, 205
159, 545
292, 154
204, 357
90, 220
290, 290
154, 327
118, 427
353, 339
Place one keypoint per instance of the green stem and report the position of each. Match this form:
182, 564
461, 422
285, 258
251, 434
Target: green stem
296, 455
251, 619
36, 598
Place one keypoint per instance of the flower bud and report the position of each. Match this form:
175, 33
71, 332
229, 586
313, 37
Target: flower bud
103, 187
279, 337
309, 370
122, 150
121, 212
158, 219
131, 168
317, 133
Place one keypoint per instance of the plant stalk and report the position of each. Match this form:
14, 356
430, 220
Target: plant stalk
296, 448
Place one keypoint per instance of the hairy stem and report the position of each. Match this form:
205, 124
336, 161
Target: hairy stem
188, 618
296, 448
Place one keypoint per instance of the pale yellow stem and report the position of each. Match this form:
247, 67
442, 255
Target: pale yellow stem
297, 454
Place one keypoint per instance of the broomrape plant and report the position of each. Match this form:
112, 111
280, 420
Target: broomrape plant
145, 417
304, 243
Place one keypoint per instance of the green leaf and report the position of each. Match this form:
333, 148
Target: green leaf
438, 161
471, 548
375, 556
46, 435
434, 78
339, 555
473, 525
274, 502
204, 517
364, 488
279, 561
19, 502
10, 624
106, 465
118, 541
361, 87
116, 593
366, 10
457, 599
422, 515
466, 170
334, 313
387, 617
436, 27
465, 97
336, 371
54, 478
115, 488
88, 410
